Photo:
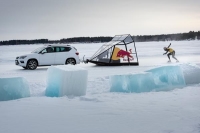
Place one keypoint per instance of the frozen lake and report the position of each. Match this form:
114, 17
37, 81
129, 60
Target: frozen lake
100, 111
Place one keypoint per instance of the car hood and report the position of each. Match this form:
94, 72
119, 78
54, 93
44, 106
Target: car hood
27, 54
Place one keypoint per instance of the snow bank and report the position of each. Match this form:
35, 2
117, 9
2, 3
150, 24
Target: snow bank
158, 79
66, 80
13, 88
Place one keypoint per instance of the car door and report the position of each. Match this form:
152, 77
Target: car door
47, 56
62, 53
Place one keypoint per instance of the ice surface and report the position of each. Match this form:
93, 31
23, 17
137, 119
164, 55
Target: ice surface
176, 111
158, 79
66, 80
13, 88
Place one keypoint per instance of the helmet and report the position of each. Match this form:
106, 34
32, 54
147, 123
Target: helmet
165, 48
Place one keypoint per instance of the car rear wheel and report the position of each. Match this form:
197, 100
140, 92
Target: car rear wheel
70, 61
32, 64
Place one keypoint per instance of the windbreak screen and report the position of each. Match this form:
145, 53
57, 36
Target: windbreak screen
104, 56
104, 47
124, 54
128, 39
119, 37
133, 55
120, 54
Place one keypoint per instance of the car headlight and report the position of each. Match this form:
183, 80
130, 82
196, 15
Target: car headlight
22, 57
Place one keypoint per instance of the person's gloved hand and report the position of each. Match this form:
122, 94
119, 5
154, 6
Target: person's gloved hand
164, 53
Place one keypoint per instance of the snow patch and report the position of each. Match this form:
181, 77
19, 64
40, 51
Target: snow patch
89, 99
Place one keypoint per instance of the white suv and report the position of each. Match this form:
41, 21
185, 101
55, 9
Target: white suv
49, 55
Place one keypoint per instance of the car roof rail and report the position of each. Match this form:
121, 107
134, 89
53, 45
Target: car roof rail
47, 45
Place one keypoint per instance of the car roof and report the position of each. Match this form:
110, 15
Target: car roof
62, 45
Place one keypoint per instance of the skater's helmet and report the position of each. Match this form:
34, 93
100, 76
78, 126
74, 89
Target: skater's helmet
165, 48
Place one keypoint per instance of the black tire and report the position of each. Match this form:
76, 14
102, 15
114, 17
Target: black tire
70, 61
32, 64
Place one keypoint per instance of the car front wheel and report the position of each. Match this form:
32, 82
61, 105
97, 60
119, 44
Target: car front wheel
70, 61
32, 64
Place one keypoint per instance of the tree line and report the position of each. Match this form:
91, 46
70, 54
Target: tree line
64, 40
144, 38
86, 39
169, 37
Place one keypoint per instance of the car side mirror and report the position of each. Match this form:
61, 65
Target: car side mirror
43, 52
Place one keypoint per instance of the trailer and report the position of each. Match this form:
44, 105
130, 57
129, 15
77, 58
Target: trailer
121, 50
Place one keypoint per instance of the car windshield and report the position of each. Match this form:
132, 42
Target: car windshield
38, 50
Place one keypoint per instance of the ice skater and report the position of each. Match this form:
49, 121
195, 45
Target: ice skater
171, 52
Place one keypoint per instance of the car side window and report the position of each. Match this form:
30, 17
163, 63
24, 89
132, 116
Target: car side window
65, 49
50, 49
57, 49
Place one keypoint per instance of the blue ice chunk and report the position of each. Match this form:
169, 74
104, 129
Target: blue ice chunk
13, 88
191, 73
54, 82
157, 79
141, 82
66, 80
168, 77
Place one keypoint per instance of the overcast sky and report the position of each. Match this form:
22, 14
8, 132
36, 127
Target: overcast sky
56, 19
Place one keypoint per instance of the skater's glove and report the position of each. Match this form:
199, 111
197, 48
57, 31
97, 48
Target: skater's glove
164, 53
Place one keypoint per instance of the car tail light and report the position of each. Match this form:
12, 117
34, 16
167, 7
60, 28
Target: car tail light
77, 53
